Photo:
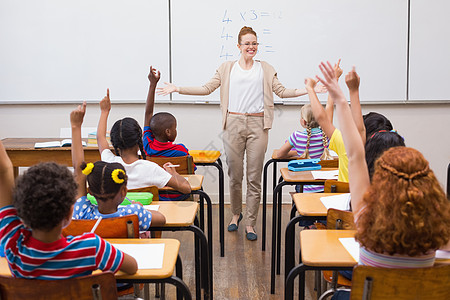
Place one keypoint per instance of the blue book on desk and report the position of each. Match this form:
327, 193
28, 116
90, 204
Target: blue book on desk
304, 164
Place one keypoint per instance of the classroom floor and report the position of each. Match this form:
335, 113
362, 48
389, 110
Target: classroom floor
244, 272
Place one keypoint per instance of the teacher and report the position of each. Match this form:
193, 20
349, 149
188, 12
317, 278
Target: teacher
246, 100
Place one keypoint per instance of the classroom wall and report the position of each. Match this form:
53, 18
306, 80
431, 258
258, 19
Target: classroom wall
424, 127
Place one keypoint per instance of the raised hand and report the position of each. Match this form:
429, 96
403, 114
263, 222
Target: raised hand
154, 76
320, 89
105, 104
337, 69
77, 115
330, 81
168, 89
310, 83
352, 80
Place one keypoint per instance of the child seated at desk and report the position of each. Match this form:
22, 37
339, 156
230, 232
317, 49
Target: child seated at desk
30, 229
402, 215
107, 183
309, 143
160, 132
126, 138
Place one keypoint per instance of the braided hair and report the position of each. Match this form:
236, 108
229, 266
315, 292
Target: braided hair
125, 134
308, 117
104, 179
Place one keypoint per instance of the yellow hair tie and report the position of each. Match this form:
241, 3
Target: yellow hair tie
115, 176
86, 171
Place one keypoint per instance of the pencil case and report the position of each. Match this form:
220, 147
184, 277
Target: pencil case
143, 198
304, 164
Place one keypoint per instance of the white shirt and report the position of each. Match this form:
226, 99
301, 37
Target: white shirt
246, 89
141, 173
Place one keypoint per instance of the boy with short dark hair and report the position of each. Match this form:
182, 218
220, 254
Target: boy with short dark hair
30, 230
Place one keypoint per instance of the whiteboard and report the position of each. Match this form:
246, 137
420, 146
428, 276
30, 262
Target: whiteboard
429, 50
72, 50
294, 37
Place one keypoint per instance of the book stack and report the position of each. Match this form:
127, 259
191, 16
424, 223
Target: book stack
92, 139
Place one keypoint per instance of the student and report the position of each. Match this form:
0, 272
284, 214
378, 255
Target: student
374, 122
325, 118
402, 224
30, 229
308, 143
126, 138
160, 132
107, 183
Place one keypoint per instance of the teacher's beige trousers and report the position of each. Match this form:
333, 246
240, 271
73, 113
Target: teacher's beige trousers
245, 135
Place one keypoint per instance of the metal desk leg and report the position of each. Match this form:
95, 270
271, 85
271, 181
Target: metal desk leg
274, 238
179, 274
218, 165
279, 229
289, 289
264, 204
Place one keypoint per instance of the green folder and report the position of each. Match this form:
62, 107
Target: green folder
143, 198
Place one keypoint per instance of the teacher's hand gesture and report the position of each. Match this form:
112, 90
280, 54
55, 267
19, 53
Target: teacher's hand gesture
168, 89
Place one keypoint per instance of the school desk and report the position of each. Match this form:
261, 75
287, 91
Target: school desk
212, 158
171, 262
287, 178
309, 207
182, 216
22, 153
196, 188
274, 160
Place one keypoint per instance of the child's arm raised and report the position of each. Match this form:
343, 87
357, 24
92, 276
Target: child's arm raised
329, 108
357, 167
352, 81
319, 113
76, 120
6, 178
177, 181
153, 77
105, 107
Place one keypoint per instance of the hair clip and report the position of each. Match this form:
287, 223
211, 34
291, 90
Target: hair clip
88, 169
393, 130
115, 176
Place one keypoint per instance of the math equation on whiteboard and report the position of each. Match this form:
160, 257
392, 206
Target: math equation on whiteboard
265, 24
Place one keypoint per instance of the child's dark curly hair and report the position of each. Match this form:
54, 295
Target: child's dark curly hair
125, 134
44, 195
105, 179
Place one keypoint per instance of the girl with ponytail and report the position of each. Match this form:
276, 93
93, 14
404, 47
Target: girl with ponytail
107, 183
308, 143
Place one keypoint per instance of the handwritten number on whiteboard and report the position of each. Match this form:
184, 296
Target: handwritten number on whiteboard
243, 16
254, 15
225, 19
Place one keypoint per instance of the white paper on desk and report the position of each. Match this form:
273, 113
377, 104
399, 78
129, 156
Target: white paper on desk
442, 254
152, 207
325, 174
332, 153
341, 202
148, 256
351, 246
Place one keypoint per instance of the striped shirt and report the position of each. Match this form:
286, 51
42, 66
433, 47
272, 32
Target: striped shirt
152, 147
67, 257
373, 259
298, 141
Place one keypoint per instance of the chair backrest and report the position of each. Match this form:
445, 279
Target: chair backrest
96, 286
330, 163
334, 186
186, 163
148, 189
401, 284
119, 227
340, 219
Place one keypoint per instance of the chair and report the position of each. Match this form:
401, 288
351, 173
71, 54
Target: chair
119, 227
186, 163
337, 219
401, 284
334, 186
148, 189
96, 286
